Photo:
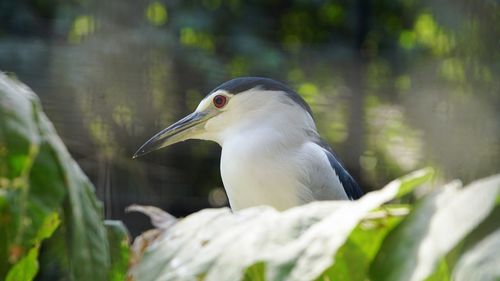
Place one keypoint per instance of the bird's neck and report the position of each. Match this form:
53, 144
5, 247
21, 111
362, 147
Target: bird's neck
271, 128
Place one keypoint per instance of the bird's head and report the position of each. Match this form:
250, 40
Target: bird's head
238, 104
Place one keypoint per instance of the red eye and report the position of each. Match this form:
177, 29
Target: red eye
219, 101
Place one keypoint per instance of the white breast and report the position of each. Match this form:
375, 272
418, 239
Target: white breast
257, 170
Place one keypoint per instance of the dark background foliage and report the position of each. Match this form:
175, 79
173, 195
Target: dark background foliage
394, 85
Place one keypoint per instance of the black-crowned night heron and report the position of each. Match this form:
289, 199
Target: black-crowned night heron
271, 151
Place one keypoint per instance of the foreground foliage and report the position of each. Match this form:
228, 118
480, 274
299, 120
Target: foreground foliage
45, 199
451, 233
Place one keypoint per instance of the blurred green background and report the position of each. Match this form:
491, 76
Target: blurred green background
395, 85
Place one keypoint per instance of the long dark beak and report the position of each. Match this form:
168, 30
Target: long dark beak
181, 130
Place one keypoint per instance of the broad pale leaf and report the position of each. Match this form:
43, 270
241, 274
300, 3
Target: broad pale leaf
437, 224
298, 244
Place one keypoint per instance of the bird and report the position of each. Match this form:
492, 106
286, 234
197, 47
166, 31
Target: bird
271, 151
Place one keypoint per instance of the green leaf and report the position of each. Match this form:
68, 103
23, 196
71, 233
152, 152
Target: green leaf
26, 268
413, 180
85, 236
437, 224
49, 226
18, 146
118, 239
255, 272
38, 177
353, 259
18, 132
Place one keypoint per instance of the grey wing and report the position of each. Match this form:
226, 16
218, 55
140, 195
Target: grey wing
351, 187
325, 178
